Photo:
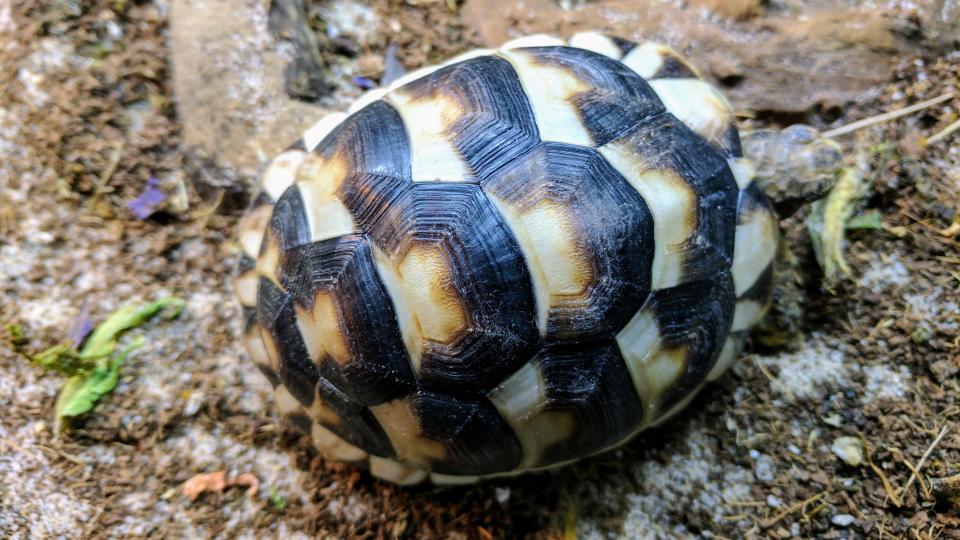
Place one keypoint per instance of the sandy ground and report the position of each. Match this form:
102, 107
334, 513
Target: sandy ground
88, 116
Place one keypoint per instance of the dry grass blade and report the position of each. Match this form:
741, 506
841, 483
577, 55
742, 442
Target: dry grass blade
923, 459
887, 486
791, 509
944, 133
886, 117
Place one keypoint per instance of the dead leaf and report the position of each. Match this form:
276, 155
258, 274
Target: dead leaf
218, 481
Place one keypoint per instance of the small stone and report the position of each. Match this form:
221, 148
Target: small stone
773, 501
502, 494
369, 65
848, 449
842, 520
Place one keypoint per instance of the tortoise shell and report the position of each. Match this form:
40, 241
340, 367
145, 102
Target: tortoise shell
506, 262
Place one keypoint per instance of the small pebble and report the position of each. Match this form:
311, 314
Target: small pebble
502, 494
842, 520
369, 65
773, 501
848, 449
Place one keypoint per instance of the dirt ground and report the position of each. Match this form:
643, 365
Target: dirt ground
89, 124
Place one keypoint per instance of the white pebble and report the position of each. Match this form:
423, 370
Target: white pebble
842, 520
848, 449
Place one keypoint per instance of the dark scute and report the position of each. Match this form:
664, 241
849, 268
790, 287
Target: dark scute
275, 312
488, 271
674, 68
698, 315
624, 45
730, 143
752, 199
249, 317
357, 425
592, 381
262, 198
498, 124
299, 144
477, 439
300, 421
289, 220
379, 368
618, 99
762, 289
245, 263
614, 223
666, 143
374, 140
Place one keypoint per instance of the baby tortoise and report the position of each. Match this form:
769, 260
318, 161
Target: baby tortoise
516, 259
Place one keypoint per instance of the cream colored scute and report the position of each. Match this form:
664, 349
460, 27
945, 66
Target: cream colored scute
429, 121
653, 368
245, 287
400, 423
549, 241
550, 91
321, 330
269, 260
286, 403
645, 59
252, 228
746, 314
392, 470
255, 347
316, 133
366, 98
319, 180
333, 447
432, 294
743, 170
596, 42
452, 480
409, 329
672, 202
755, 245
520, 400
697, 104
726, 358
536, 40
281, 172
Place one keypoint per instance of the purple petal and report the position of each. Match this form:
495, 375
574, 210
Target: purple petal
82, 326
364, 82
148, 201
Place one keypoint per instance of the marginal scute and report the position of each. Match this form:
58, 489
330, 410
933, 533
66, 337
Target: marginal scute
333, 447
703, 109
653, 368
252, 228
757, 237
281, 172
598, 43
392, 470
316, 133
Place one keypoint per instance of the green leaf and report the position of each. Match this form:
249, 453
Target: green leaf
83, 390
104, 338
868, 220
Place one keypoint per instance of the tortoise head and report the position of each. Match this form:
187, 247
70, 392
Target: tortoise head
793, 166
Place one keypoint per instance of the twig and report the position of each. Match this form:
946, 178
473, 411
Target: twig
923, 459
107, 173
886, 117
883, 477
791, 509
943, 133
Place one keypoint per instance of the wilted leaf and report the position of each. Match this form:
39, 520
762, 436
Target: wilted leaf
828, 221
868, 220
84, 389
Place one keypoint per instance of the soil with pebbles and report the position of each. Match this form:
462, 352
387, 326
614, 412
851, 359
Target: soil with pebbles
88, 118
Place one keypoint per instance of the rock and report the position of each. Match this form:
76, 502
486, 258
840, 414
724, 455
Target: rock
842, 520
849, 450
790, 58
369, 65
228, 76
